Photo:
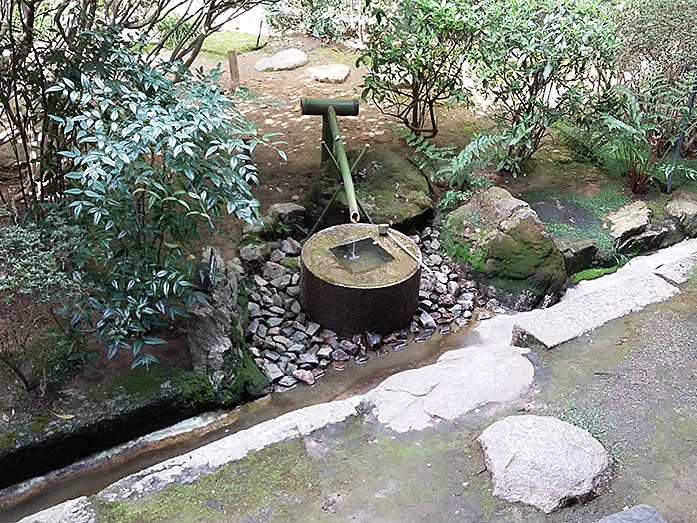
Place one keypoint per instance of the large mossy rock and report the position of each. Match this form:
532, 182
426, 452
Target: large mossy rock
391, 189
217, 337
504, 240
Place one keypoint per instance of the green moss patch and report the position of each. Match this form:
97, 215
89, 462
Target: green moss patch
592, 274
219, 43
573, 216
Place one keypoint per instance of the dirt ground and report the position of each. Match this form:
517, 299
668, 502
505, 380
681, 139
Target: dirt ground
278, 110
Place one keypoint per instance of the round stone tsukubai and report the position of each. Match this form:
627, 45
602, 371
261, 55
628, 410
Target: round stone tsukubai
381, 299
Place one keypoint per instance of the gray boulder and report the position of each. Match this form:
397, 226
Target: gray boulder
578, 255
391, 190
282, 61
217, 337
656, 236
543, 461
684, 210
636, 514
630, 220
329, 74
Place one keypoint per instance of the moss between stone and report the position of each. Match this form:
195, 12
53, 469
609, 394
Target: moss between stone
8, 439
292, 263
248, 380
251, 239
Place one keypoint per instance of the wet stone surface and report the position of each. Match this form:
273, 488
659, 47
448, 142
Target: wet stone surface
291, 349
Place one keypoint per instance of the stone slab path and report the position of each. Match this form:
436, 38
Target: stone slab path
432, 408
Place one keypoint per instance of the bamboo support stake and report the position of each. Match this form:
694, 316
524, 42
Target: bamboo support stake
234, 71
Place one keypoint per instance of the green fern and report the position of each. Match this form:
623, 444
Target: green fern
456, 171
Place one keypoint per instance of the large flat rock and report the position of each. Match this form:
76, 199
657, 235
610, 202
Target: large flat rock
684, 210
458, 383
570, 319
636, 514
629, 220
330, 73
282, 61
543, 461
78, 510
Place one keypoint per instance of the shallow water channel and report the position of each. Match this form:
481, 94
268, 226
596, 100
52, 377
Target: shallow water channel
91, 476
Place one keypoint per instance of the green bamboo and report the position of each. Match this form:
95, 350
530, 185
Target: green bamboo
342, 160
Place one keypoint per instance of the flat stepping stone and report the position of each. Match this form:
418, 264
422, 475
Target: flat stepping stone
636, 514
684, 209
543, 461
78, 510
329, 74
570, 319
282, 61
458, 383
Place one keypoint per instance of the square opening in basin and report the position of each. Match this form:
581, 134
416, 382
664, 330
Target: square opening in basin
361, 255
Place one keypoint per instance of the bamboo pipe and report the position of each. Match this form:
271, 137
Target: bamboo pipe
342, 160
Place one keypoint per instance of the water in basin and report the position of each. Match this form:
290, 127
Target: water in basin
361, 255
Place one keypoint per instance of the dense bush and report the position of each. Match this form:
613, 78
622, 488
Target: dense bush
329, 19
536, 60
155, 163
618, 135
35, 291
414, 56
658, 61
45, 40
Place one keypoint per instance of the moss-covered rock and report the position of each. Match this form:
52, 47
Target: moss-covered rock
391, 189
503, 239
217, 338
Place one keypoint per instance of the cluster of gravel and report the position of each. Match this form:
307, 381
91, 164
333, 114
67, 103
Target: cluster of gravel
289, 347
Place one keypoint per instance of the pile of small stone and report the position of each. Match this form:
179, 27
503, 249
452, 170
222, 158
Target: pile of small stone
289, 347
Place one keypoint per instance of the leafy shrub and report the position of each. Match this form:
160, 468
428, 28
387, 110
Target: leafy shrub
156, 162
414, 57
174, 30
536, 61
44, 41
455, 172
619, 135
658, 36
329, 19
35, 288
658, 60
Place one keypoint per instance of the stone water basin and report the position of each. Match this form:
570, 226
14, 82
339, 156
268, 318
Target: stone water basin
354, 280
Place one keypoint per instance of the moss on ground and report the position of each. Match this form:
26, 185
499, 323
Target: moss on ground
8, 439
219, 43
599, 205
334, 55
242, 487
592, 274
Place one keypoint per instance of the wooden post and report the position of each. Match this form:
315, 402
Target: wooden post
234, 71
